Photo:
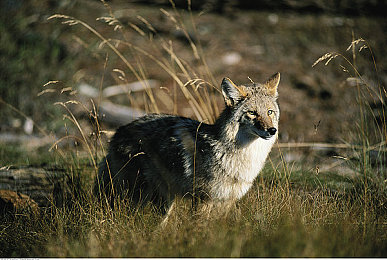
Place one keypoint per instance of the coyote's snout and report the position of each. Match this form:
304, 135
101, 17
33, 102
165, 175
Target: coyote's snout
158, 157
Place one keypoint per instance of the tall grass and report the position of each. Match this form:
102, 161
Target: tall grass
196, 85
286, 213
369, 132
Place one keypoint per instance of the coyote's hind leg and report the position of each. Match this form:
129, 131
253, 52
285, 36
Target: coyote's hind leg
168, 214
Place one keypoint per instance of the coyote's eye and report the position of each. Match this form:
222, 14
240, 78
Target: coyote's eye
251, 114
270, 112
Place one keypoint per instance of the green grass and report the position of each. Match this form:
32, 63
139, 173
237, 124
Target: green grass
30, 56
16, 154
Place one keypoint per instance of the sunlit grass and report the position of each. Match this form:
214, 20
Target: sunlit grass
268, 221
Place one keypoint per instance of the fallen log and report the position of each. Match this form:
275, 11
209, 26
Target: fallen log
93, 92
113, 113
118, 114
31, 142
46, 186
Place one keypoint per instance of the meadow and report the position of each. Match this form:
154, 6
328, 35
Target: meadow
323, 190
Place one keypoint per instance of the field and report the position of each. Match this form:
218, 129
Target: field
323, 190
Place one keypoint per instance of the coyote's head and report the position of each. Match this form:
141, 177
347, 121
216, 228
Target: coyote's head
251, 110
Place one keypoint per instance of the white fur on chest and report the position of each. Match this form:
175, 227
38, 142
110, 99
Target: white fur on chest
239, 168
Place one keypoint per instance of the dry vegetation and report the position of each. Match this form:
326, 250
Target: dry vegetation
327, 201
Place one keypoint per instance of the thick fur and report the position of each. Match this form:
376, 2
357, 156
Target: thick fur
158, 157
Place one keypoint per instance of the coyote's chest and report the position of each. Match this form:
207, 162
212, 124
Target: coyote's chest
238, 168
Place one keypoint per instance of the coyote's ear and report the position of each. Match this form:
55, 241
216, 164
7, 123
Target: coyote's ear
271, 84
232, 93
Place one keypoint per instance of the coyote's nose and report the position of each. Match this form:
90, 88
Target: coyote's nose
272, 130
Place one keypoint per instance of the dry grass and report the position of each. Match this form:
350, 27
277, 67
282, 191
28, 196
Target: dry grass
271, 220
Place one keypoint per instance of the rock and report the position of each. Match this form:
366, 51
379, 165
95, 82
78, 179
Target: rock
231, 58
14, 202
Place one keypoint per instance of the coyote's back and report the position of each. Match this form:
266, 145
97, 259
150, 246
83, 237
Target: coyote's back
158, 157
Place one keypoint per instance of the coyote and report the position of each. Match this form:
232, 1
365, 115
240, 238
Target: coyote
159, 157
